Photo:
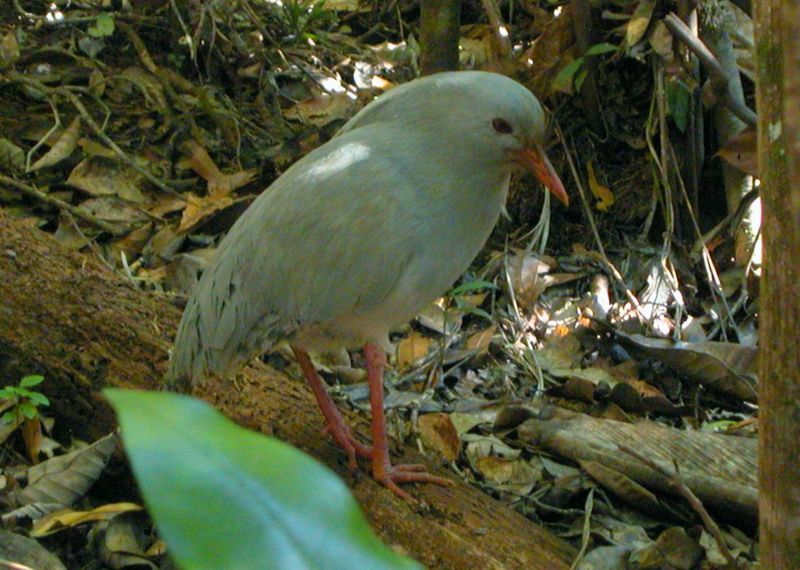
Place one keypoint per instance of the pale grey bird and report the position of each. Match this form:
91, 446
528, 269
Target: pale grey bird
359, 235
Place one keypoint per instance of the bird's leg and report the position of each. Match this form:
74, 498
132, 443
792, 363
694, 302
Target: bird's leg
382, 469
335, 422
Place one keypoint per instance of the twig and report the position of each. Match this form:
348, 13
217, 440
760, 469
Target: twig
60, 204
719, 79
691, 498
498, 27
588, 211
587, 529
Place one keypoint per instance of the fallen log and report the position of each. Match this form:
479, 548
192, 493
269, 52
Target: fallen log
66, 316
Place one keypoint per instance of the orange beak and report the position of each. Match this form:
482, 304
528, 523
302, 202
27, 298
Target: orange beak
533, 159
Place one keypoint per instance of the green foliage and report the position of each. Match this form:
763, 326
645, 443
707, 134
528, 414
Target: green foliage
25, 402
574, 72
302, 17
226, 497
678, 102
103, 26
470, 287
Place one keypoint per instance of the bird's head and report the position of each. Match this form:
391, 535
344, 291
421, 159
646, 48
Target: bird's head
510, 125
476, 117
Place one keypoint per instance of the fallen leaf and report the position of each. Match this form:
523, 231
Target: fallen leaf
62, 148
102, 176
604, 195
439, 434
481, 340
412, 349
637, 26
67, 518
742, 151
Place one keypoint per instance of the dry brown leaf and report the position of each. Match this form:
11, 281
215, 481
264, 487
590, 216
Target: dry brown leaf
480, 341
62, 148
550, 52
742, 151
439, 434
527, 273
67, 518
637, 26
319, 111
412, 349
220, 185
197, 209
604, 195
32, 435
102, 176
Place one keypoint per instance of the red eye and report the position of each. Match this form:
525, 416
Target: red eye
502, 126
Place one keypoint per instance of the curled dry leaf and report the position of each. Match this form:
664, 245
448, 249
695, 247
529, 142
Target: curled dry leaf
439, 434
67, 518
62, 148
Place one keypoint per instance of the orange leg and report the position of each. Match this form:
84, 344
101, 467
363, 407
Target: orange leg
382, 469
335, 423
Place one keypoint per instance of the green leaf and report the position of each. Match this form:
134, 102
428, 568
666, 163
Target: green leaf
678, 103
226, 497
28, 410
580, 78
32, 380
7, 393
469, 309
9, 417
563, 80
38, 399
103, 26
472, 286
598, 49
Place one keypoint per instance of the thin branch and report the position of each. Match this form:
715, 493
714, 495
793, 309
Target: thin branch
691, 498
60, 204
719, 79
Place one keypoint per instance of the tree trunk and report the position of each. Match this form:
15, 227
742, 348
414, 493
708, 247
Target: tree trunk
439, 33
66, 316
778, 99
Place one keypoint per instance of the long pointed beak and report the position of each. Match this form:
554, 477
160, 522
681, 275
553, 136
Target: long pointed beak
533, 159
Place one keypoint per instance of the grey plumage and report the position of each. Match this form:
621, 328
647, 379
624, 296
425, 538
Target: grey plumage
362, 232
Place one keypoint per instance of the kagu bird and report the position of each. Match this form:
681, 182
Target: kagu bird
359, 235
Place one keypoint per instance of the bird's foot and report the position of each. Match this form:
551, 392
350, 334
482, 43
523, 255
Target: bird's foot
390, 475
343, 436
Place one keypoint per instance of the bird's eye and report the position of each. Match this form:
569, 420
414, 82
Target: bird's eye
502, 126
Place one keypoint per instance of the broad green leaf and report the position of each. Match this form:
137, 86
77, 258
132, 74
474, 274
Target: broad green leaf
678, 103
602, 48
38, 399
28, 410
580, 78
562, 82
472, 286
103, 26
32, 380
226, 497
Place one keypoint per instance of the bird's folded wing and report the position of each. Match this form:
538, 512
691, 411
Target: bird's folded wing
328, 238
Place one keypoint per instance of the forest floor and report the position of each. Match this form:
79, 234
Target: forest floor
589, 383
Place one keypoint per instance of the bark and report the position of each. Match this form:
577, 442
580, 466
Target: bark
778, 99
439, 33
66, 316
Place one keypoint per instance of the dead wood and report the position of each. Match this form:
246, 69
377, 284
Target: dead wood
721, 470
66, 316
